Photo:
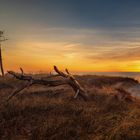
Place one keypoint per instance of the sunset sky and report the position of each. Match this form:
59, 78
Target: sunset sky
82, 35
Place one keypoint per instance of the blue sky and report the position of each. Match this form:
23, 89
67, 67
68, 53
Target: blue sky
74, 13
92, 31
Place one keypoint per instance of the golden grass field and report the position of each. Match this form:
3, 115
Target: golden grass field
42, 113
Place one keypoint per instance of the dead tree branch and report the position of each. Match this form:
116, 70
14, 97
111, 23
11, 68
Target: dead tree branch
67, 79
18, 91
79, 90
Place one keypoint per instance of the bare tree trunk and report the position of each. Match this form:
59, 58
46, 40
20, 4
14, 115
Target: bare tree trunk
1, 63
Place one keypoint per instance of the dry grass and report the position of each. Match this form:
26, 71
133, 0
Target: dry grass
41, 113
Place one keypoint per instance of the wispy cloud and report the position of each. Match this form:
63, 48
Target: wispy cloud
90, 48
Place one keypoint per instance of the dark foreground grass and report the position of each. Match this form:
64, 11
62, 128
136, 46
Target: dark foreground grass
41, 113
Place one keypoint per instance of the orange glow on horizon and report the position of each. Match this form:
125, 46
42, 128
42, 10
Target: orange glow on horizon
40, 57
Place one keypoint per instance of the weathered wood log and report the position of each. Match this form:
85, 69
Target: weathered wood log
79, 90
38, 81
67, 79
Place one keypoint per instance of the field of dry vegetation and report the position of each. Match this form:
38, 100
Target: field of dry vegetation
42, 113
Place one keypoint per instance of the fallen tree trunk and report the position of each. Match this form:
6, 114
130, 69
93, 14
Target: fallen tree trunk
67, 79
